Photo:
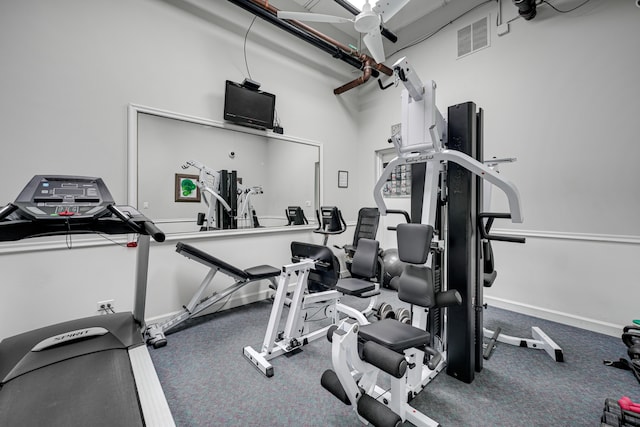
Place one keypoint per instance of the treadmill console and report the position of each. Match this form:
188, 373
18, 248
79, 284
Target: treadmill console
64, 204
64, 197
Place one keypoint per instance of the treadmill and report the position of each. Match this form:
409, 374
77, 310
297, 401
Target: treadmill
94, 371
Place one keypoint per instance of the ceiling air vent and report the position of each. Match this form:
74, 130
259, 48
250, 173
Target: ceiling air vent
473, 37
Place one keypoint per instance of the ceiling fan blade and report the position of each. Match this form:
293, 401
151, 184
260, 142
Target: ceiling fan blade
312, 17
373, 41
386, 9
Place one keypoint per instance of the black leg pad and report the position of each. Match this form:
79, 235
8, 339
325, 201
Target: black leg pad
381, 357
330, 381
448, 298
377, 413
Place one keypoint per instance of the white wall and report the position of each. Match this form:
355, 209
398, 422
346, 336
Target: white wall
70, 68
561, 94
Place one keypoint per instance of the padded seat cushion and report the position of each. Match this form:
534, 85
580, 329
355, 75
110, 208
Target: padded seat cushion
262, 272
394, 335
353, 286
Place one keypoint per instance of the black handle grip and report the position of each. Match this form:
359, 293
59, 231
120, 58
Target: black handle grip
497, 215
484, 230
7, 210
407, 218
132, 224
399, 212
151, 229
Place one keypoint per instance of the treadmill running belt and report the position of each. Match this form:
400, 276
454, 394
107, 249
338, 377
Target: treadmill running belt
95, 389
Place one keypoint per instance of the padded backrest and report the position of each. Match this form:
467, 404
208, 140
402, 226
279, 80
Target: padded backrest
209, 260
414, 242
365, 259
326, 273
367, 225
415, 284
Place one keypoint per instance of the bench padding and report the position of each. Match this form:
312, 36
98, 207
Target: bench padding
353, 286
394, 335
253, 273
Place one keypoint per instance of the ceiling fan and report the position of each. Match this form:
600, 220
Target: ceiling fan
367, 22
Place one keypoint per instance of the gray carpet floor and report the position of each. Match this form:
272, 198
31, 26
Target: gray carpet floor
208, 382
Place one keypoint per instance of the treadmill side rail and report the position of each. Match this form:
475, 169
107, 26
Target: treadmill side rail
154, 405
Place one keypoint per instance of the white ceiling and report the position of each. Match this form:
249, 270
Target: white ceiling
415, 20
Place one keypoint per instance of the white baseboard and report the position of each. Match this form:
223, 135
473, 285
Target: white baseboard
234, 301
557, 316
530, 310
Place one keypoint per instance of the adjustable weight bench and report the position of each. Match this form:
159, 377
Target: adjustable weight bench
156, 333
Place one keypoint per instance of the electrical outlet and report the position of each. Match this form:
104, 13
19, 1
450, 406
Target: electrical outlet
106, 306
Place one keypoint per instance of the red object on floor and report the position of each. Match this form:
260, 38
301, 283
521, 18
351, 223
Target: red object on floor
628, 405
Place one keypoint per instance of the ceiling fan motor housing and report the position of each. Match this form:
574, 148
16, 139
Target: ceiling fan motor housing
367, 21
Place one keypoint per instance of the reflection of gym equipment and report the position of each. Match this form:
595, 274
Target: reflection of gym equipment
247, 217
295, 216
91, 371
222, 194
210, 183
330, 222
315, 267
402, 351
156, 333
540, 340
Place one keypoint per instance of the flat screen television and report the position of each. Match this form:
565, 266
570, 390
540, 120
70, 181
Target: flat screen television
248, 106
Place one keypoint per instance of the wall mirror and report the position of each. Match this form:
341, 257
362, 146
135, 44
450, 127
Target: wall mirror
277, 171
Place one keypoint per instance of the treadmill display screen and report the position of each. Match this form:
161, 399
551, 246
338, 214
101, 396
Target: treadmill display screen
69, 191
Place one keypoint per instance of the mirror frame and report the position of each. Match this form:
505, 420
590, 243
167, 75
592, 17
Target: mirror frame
133, 112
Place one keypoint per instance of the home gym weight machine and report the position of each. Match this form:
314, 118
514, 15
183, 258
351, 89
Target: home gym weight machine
93, 371
247, 217
211, 183
445, 198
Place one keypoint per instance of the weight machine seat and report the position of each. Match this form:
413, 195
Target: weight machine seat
354, 286
250, 274
363, 269
394, 335
415, 287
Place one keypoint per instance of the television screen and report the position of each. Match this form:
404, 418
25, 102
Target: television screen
248, 107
